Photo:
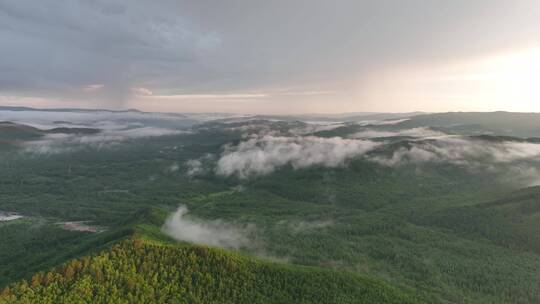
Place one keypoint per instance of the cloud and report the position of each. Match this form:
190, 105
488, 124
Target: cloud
194, 167
310, 128
263, 155
93, 87
462, 151
523, 175
212, 96
421, 132
307, 226
213, 233
141, 41
140, 91
172, 168
97, 119
51, 50
383, 122
115, 127
60, 143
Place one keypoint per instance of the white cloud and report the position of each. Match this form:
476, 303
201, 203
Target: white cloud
140, 91
214, 233
194, 167
306, 226
95, 119
459, 150
263, 155
414, 132
173, 167
313, 128
382, 122
58, 143
212, 96
93, 87
523, 175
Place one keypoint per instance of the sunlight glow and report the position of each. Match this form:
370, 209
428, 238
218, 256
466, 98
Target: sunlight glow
508, 81
511, 81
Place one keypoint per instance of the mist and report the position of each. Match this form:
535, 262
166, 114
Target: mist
62, 143
462, 151
263, 155
216, 233
421, 132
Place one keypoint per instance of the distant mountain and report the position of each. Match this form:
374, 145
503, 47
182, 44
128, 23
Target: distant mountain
10, 131
89, 117
78, 110
13, 131
499, 123
82, 131
345, 117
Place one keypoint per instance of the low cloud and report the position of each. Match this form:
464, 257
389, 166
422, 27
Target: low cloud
199, 166
513, 162
311, 128
213, 233
459, 150
307, 226
255, 129
96, 119
172, 168
383, 122
140, 91
194, 167
263, 155
523, 175
59, 143
93, 87
422, 132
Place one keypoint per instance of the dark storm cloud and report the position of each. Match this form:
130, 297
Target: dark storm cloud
102, 50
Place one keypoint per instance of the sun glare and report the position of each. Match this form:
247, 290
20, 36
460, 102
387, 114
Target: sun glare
511, 80
508, 81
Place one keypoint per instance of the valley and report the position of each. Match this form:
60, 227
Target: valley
454, 225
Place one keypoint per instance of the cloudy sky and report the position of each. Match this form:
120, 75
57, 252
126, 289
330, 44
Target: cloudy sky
281, 56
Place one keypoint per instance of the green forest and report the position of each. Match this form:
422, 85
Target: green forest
92, 218
142, 271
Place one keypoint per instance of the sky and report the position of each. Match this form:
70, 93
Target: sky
272, 57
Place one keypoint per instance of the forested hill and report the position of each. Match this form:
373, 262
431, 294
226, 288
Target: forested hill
142, 271
500, 123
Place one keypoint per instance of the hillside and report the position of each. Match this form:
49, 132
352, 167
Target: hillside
13, 131
510, 221
436, 213
501, 123
10, 131
142, 271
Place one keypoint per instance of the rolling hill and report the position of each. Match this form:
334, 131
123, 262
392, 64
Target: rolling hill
440, 216
10, 131
139, 270
500, 123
